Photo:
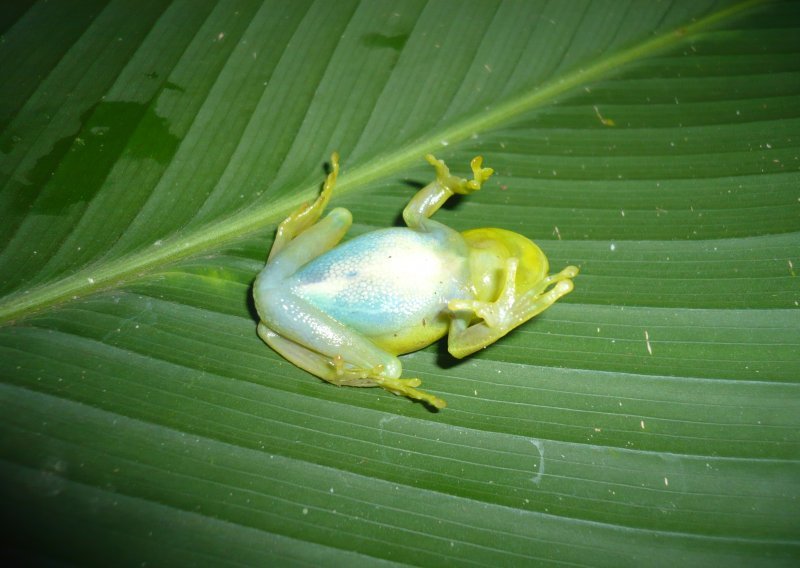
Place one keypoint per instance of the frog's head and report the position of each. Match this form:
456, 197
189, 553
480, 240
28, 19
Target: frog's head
489, 250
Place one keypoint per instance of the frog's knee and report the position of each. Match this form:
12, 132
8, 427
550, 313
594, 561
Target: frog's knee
391, 368
265, 305
341, 217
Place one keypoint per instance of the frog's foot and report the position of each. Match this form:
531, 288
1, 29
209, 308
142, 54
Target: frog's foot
511, 309
316, 207
351, 376
405, 387
498, 313
539, 298
456, 184
564, 276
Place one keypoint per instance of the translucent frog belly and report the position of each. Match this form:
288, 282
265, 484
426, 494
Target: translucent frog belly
387, 281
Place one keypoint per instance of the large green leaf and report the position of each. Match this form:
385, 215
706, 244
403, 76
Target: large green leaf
148, 150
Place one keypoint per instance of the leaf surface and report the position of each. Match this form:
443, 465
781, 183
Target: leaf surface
149, 149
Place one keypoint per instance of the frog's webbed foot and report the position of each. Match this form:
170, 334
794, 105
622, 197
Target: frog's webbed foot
456, 184
510, 309
498, 313
347, 375
405, 387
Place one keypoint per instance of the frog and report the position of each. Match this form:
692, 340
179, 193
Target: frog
345, 311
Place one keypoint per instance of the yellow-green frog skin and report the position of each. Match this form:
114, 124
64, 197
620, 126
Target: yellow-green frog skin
344, 313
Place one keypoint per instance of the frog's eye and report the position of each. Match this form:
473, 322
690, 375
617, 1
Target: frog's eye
489, 250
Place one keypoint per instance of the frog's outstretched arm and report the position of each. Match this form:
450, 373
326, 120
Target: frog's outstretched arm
430, 198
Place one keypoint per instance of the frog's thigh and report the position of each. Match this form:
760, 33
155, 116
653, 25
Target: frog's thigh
296, 319
337, 373
311, 361
308, 245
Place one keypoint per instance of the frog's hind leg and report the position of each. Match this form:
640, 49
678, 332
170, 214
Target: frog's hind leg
336, 371
307, 246
307, 214
311, 361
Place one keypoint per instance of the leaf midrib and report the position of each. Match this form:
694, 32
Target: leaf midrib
102, 276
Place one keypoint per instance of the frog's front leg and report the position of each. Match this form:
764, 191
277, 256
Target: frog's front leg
508, 311
430, 198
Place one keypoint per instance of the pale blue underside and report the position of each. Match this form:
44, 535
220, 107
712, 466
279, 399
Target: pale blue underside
386, 280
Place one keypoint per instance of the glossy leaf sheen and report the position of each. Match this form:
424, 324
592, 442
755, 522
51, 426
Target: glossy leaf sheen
150, 148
